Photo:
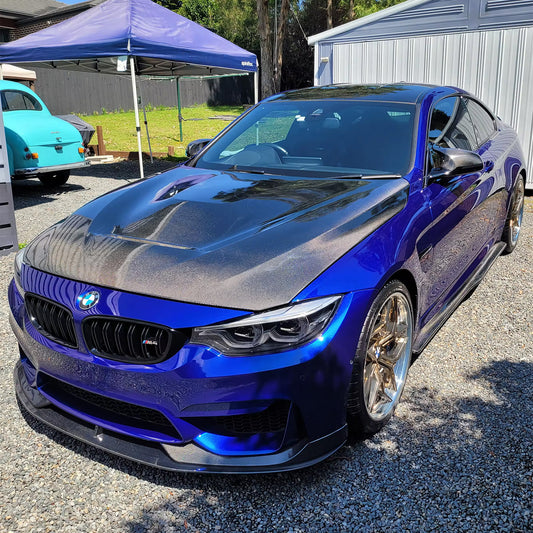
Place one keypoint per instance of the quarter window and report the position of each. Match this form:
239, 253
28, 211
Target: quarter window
483, 121
450, 125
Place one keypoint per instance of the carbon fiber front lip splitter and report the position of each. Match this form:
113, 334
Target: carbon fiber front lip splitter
186, 458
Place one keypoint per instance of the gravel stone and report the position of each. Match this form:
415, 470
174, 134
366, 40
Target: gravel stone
456, 457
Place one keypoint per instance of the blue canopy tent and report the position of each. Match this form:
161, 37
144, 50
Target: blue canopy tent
149, 38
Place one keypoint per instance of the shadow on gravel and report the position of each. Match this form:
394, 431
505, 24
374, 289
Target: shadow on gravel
27, 193
443, 453
31, 192
451, 461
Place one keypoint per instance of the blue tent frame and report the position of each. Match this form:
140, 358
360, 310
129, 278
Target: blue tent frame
139, 34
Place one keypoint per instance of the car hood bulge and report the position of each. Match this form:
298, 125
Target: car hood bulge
217, 238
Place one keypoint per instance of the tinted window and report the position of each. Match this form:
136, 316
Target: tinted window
483, 122
450, 125
318, 137
18, 101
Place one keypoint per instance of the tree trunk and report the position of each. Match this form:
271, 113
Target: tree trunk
266, 66
351, 14
278, 60
329, 14
271, 60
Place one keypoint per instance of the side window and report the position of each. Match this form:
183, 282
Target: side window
450, 125
483, 121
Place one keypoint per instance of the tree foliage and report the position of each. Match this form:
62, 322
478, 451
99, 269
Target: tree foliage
250, 25
235, 20
173, 5
310, 17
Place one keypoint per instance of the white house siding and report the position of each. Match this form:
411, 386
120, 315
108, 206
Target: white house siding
496, 66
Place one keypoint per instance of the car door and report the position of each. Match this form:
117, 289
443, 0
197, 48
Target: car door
453, 244
492, 147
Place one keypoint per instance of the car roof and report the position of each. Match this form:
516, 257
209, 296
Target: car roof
394, 92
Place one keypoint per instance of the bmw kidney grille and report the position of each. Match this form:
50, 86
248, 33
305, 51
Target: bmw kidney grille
131, 341
51, 320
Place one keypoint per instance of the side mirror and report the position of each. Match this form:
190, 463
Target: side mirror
451, 162
196, 147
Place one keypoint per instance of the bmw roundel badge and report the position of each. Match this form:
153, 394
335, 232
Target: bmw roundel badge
88, 300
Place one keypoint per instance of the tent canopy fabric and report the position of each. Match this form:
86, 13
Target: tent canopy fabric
157, 41
163, 43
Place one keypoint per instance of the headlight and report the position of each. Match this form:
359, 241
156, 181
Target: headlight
272, 331
19, 261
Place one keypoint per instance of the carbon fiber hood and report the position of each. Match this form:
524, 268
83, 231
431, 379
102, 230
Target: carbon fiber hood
216, 238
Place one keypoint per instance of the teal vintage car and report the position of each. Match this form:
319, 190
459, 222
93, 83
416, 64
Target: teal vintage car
38, 144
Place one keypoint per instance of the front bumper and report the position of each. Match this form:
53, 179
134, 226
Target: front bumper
192, 387
178, 458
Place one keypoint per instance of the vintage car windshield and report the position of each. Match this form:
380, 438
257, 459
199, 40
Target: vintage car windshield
318, 138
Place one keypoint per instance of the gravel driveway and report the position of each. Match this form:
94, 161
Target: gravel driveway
457, 456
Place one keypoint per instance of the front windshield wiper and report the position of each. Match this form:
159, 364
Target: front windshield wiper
248, 171
367, 176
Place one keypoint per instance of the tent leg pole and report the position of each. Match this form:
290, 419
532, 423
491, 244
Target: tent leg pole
148, 135
256, 85
179, 109
137, 122
146, 123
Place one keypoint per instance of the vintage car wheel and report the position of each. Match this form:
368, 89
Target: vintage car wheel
55, 179
382, 361
513, 223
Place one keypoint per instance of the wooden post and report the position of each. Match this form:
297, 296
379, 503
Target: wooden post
171, 151
101, 143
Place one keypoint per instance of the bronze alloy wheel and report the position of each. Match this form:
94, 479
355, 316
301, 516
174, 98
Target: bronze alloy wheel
382, 361
514, 218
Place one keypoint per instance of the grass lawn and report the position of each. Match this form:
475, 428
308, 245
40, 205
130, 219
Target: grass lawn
119, 128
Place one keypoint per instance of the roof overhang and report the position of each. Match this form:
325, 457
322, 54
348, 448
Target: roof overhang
369, 19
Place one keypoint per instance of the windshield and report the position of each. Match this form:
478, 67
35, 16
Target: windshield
317, 138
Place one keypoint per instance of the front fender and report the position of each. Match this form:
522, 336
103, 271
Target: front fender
371, 263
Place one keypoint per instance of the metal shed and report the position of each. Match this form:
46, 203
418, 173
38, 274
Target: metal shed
483, 46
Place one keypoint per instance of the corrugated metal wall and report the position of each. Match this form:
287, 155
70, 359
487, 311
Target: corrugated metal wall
496, 66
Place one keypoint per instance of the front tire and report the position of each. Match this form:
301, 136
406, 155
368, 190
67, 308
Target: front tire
54, 179
511, 231
381, 361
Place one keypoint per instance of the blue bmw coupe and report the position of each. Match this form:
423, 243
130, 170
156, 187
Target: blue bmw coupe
253, 308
